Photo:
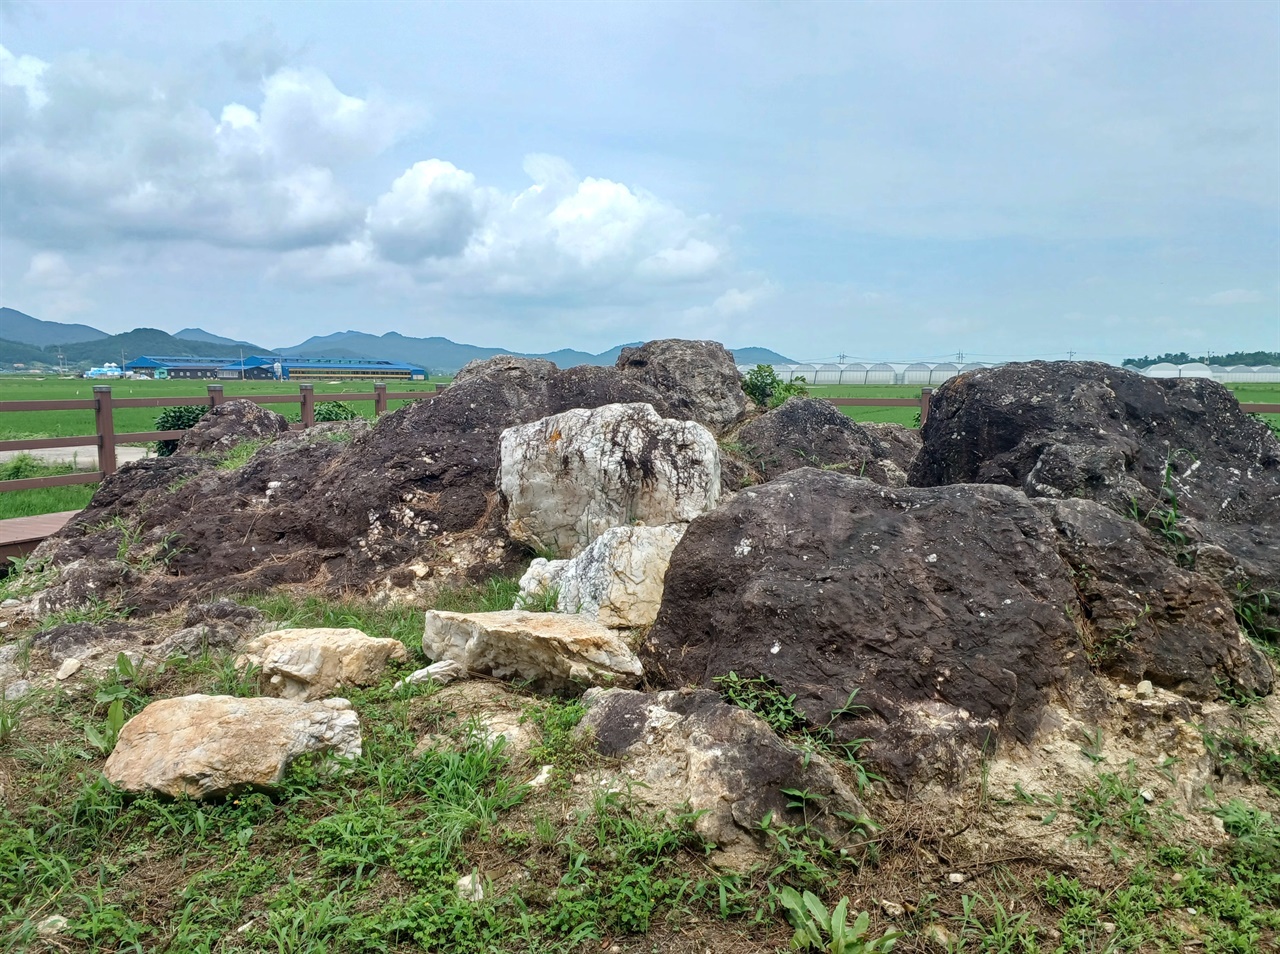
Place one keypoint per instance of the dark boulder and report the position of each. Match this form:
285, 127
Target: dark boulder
1144, 616
948, 611
804, 432
698, 380
229, 424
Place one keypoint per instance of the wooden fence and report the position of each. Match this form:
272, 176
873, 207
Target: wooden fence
106, 438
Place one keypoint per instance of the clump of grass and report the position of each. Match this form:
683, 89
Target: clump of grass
239, 455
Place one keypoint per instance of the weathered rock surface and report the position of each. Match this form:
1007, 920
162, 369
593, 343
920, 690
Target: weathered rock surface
698, 378
1129, 442
308, 664
804, 432
953, 612
1145, 617
617, 580
898, 447
554, 652
217, 625
570, 477
946, 610
213, 746
229, 424
690, 751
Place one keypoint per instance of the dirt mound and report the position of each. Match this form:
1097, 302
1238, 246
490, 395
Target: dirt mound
362, 508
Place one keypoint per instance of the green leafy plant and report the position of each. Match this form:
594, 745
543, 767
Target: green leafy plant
1257, 611
830, 931
766, 389
545, 600
327, 411
177, 419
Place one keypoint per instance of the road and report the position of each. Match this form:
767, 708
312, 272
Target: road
85, 458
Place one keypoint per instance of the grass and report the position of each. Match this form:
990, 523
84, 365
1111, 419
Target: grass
27, 503
370, 859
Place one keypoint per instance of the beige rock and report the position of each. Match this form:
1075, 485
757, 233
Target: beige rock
69, 668
616, 580
307, 664
552, 651
212, 746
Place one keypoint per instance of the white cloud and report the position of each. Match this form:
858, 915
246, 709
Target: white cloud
49, 270
564, 237
1234, 296
24, 73
101, 151
432, 211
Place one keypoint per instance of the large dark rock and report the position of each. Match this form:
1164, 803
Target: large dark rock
947, 611
230, 424
950, 612
1129, 442
699, 380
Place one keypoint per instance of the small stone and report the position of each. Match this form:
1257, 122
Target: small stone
1108, 927
1219, 826
1177, 877
441, 673
892, 909
1145, 690
69, 668
939, 936
470, 887
957, 878
15, 690
10, 604
542, 778
53, 924
247, 926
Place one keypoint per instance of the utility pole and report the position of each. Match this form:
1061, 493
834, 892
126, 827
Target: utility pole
1071, 355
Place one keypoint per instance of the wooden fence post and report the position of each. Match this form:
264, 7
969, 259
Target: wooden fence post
106, 426
379, 399
308, 392
215, 395
926, 394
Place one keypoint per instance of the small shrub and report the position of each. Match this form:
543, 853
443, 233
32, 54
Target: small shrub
327, 411
175, 419
766, 389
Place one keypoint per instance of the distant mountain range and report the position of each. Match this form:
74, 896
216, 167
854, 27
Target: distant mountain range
31, 341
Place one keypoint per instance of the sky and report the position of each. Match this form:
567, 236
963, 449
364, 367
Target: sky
893, 181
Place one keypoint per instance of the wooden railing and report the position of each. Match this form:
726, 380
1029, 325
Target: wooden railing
106, 438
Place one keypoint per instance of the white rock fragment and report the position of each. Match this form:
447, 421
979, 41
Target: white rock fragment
618, 579
70, 666
442, 673
470, 887
1145, 690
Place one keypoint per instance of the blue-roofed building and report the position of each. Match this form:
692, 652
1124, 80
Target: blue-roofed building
294, 368
184, 367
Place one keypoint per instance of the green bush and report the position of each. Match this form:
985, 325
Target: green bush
335, 411
174, 419
766, 389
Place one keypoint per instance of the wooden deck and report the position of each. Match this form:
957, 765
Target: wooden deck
20, 535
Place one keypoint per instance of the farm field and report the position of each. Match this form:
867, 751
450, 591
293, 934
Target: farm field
27, 424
